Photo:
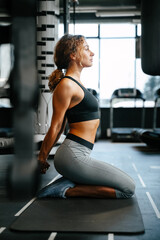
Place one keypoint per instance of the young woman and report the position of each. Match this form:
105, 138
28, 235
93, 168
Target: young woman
82, 176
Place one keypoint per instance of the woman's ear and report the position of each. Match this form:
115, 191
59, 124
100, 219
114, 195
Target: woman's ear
73, 56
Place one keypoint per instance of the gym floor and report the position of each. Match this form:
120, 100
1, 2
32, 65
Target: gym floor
140, 162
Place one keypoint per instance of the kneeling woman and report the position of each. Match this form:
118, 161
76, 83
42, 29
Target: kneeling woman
83, 176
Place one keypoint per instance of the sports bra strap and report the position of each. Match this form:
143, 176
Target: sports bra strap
74, 81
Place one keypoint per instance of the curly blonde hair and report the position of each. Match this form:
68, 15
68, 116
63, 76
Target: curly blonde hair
67, 45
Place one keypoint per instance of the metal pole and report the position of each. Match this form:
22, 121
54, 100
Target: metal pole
66, 15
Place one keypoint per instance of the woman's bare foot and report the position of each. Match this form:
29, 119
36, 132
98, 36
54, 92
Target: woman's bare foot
91, 191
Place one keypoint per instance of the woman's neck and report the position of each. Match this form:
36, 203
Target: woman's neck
75, 75
74, 71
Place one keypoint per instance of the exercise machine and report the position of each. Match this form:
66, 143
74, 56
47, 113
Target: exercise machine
20, 31
125, 133
156, 128
151, 137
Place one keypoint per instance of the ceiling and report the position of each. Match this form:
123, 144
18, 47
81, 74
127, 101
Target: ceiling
102, 10
92, 10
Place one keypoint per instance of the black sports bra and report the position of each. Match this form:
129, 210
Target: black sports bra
86, 110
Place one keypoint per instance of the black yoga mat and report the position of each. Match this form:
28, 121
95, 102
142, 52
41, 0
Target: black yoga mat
82, 215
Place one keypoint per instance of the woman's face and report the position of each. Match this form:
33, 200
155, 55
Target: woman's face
86, 55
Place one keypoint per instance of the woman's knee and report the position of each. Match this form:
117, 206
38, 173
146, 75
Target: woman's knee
127, 192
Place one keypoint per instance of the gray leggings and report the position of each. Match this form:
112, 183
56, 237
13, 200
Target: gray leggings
73, 161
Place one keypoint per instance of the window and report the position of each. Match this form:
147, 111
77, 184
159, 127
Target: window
5, 68
117, 30
116, 65
5, 63
88, 30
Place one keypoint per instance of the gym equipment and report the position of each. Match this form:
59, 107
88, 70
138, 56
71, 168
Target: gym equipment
6, 130
157, 97
31, 29
5, 32
47, 96
23, 175
122, 133
150, 137
81, 215
150, 21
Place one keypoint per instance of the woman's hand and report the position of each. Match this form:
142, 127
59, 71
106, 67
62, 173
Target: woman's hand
44, 165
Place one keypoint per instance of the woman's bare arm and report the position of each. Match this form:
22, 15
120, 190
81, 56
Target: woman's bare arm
62, 129
61, 101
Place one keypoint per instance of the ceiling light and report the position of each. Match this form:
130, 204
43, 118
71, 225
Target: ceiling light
126, 13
